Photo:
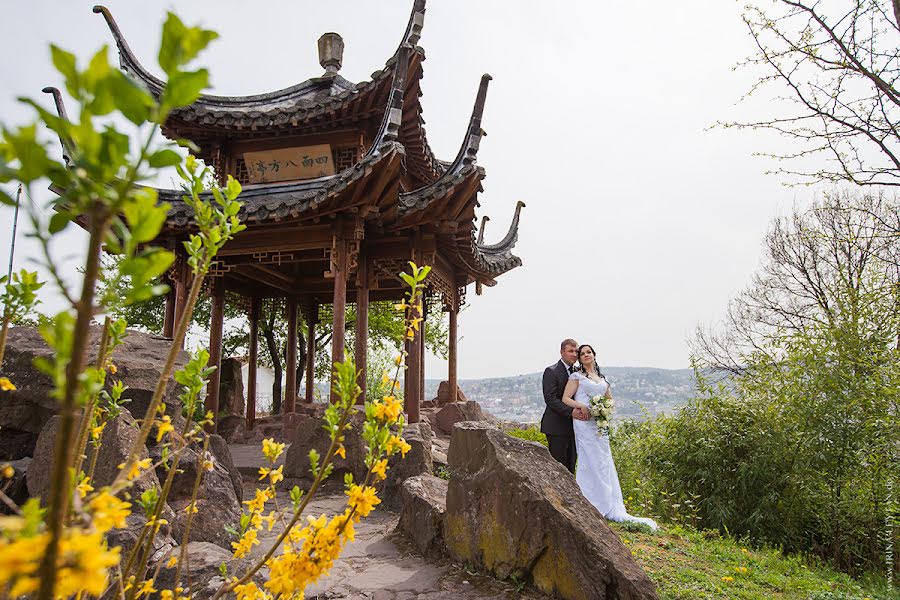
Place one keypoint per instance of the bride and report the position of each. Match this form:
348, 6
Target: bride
596, 472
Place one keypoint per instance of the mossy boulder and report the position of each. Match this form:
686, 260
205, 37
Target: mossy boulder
515, 512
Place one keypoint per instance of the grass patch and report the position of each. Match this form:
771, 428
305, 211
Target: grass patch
687, 564
532, 434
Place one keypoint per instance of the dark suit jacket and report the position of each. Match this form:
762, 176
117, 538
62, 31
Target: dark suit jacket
557, 419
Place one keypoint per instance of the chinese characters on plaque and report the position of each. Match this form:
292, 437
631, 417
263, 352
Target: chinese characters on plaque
289, 164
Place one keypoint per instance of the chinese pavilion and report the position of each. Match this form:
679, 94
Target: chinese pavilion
341, 189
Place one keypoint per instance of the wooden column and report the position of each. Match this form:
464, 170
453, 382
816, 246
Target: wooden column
421, 340
182, 283
453, 335
362, 325
251, 365
312, 317
169, 319
414, 379
217, 293
290, 377
339, 303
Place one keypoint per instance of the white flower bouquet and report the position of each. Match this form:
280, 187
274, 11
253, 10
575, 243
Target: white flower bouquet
601, 409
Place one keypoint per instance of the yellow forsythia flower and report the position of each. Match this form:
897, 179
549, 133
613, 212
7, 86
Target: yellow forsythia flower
363, 499
341, 451
84, 488
113, 368
164, 426
173, 560
259, 501
379, 469
6, 385
272, 450
136, 468
8, 471
146, 588
109, 512
243, 546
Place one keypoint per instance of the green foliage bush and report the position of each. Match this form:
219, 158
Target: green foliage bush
532, 434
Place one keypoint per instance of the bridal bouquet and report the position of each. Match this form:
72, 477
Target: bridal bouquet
601, 409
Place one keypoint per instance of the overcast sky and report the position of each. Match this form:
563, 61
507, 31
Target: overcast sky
641, 222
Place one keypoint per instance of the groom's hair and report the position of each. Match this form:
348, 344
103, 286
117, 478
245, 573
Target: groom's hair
567, 342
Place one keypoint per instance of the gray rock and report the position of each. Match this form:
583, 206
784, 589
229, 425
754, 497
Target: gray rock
15, 487
118, 436
515, 512
456, 412
25, 411
424, 500
217, 502
220, 450
231, 387
230, 427
418, 461
309, 434
443, 395
201, 570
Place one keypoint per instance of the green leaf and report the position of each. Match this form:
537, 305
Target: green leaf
58, 222
184, 87
132, 100
66, 65
164, 158
181, 44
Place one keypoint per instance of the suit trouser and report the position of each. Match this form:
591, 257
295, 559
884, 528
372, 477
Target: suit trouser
562, 448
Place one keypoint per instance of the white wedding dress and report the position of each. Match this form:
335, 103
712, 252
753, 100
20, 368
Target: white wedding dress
596, 472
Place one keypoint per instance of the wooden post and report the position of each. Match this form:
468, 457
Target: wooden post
453, 335
217, 293
414, 379
421, 340
251, 366
182, 283
290, 377
339, 303
312, 318
169, 320
362, 326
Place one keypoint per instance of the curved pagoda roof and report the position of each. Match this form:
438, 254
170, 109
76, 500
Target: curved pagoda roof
397, 185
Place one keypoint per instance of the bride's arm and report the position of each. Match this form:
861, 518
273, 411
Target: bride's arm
571, 388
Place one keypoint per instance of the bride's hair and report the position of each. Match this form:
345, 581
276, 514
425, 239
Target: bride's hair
596, 366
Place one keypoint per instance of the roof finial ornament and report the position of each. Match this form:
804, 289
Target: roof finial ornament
331, 52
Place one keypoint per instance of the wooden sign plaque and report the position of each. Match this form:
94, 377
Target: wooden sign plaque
289, 164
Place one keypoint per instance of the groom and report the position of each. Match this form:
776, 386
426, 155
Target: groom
557, 420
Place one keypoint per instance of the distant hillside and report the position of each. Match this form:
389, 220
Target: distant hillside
639, 392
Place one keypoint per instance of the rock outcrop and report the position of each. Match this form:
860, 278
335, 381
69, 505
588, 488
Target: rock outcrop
514, 511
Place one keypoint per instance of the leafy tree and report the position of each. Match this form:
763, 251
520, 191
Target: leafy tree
799, 446
822, 267
836, 64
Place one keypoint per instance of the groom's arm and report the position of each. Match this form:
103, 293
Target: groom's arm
553, 395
